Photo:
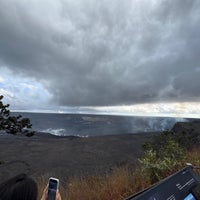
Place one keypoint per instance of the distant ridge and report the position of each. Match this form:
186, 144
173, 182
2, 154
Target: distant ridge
189, 127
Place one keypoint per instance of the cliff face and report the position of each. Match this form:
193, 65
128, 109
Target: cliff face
187, 134
187, 127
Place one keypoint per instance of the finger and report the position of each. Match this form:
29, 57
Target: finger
46, 189
58, 197
44, 194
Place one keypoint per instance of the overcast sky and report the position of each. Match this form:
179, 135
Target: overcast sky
65, 54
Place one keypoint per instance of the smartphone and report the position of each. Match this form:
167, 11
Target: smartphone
52, 188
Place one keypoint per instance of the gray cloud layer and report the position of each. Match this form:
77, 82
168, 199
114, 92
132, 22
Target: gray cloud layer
93, 53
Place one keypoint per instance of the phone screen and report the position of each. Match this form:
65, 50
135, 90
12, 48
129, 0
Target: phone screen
189, 197
52, 189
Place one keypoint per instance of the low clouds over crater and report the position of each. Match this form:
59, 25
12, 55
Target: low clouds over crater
100, 53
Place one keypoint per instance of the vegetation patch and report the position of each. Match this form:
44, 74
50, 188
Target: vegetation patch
157, 163
13, 124
162, 158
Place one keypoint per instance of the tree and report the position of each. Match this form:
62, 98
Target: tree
13, 124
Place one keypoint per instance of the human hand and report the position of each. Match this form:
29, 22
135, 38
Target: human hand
45, 193
58, 197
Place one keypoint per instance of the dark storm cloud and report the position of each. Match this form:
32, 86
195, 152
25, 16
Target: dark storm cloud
91, 53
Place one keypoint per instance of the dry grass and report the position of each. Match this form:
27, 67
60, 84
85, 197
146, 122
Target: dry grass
117, 185
114, 186
193, 156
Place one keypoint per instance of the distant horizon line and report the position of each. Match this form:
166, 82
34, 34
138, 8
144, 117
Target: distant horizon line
172, 115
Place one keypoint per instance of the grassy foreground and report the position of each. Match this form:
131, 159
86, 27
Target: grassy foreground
117, 185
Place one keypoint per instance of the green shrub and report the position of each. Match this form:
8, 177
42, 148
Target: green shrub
158, 162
